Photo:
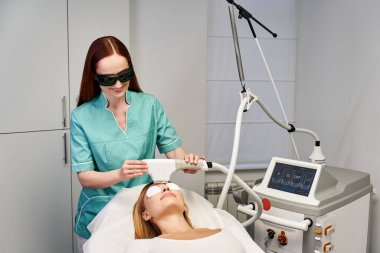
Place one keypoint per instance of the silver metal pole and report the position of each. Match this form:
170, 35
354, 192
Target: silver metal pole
236, 43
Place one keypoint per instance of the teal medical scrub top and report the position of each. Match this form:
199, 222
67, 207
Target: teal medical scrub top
98, 143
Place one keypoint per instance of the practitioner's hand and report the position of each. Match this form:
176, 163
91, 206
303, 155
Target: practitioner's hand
132, 169
192, 159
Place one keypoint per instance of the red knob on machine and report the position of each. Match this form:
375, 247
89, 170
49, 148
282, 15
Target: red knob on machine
282, 239
266, 204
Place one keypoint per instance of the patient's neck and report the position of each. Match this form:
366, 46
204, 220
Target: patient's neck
173, 223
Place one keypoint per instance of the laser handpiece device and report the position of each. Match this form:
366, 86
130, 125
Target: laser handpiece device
161, 169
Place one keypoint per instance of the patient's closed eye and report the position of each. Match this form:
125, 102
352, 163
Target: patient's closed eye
155, 189
173, 187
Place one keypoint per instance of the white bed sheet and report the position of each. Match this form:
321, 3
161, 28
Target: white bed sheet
113, 227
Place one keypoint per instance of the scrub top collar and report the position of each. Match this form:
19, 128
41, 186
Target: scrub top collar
104, 102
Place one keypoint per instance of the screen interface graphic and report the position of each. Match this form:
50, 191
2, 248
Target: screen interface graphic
292, 179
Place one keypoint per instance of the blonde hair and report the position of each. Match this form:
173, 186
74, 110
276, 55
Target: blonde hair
146, 229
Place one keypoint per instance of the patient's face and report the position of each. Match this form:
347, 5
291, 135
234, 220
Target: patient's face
162, 199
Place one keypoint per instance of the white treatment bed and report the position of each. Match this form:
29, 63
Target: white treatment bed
113, 228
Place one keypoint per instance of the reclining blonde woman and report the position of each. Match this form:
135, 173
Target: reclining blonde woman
161, 222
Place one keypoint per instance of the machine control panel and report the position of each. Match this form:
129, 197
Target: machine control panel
291, 180
276, 238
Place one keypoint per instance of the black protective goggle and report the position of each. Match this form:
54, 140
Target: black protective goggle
109, 80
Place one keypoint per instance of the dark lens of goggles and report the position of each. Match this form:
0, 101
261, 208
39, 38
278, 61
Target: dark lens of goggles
109, 80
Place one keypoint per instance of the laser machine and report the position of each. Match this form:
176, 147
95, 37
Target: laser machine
306, 207
309, 207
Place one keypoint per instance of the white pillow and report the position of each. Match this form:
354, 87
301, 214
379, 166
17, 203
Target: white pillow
113, 227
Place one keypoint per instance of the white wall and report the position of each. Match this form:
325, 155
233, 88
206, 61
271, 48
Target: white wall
338, 79
168, 47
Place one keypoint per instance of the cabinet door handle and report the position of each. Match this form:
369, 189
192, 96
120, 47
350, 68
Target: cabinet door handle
64, 110
65, 148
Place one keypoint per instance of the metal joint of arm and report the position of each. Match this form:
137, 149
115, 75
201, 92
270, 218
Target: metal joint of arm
251, 98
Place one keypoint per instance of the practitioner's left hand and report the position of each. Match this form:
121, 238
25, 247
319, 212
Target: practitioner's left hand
192, 159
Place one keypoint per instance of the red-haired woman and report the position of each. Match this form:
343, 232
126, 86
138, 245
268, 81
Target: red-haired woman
114, 127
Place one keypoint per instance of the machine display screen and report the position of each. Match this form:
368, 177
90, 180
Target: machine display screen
292, 179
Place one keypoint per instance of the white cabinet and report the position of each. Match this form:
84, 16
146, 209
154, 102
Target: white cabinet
35, 193
35, 182
33, 65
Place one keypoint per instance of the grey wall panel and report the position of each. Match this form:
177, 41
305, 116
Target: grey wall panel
280, 56
259, 142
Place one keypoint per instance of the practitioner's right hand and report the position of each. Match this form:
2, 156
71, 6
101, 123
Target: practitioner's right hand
132, 169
